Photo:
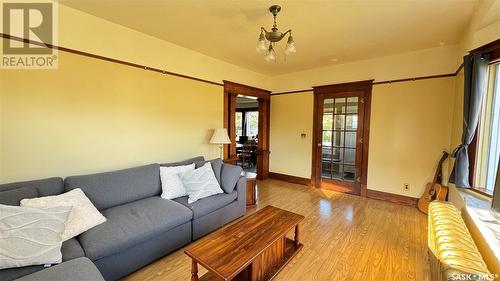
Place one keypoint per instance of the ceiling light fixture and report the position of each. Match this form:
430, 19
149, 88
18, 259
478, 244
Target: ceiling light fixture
273, 37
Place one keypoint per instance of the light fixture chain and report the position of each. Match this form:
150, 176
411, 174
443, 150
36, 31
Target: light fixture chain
273, 37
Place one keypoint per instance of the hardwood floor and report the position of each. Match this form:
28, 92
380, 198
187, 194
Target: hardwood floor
345, 237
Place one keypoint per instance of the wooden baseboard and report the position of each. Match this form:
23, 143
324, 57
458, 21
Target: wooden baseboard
394, 198
291, 179
373, 194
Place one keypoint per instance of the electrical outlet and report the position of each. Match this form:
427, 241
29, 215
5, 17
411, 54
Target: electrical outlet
406, 186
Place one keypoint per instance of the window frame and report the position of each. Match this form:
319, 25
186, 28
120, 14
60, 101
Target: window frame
243, 118
242, 123
493, 49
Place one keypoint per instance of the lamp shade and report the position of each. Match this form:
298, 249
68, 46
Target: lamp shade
220, 136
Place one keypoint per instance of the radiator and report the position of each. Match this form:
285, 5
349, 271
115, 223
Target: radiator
453, 255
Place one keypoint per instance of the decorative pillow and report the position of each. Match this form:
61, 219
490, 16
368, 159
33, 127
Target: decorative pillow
216, 166
200, 183
13, 197
30, 236
83, 216
171, 183
230, 175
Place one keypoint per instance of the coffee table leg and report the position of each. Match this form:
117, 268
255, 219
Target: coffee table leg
297, 235
194, 271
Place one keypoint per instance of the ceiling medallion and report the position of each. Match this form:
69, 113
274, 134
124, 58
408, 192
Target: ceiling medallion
273, 37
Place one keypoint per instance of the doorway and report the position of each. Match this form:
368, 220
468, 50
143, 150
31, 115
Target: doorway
247, 132
341, 136
246, 117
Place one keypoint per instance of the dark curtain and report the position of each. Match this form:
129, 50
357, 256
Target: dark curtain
475, 77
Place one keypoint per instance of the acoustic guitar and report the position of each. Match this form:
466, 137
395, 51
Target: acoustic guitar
434, 190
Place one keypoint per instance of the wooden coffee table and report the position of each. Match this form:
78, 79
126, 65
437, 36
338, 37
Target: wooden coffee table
254, 248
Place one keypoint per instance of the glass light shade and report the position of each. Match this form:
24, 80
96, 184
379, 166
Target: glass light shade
290, 46
261, 47
271, 55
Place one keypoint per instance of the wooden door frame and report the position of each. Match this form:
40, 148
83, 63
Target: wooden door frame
231, 91
366, 87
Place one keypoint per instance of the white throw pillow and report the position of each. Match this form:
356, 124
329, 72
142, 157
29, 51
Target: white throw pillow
171, 183
201, 183
83, 216
31, 236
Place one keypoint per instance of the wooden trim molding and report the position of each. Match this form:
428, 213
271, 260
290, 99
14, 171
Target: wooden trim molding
384, 82
370, 193
415, 78
319, 91
108, 59
231, 91
240, 89
291, 92
492, 48
290, 179
343, 87
391, 197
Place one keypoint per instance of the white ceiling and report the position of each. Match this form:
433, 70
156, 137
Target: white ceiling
323, 30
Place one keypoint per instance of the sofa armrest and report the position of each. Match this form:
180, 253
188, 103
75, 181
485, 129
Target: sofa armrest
229, 176
241, 188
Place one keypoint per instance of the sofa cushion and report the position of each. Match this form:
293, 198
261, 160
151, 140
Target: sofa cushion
45, 187
31, 236
171, 183
216, 166
111, 189
208, 204
77, 269
13, 197
229, 176
133, 223
83, 214
71, 249
198, 160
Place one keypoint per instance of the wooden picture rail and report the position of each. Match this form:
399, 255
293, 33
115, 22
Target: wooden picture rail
384, 82
108, 59
166, 72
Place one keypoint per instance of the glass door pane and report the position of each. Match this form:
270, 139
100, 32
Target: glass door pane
339, 137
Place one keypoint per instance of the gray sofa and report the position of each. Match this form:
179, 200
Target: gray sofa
141, 227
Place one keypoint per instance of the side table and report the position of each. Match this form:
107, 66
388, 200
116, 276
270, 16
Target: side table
251, 187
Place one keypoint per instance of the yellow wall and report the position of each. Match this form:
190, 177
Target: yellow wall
291, 115
483, 28
91, 116
85, 32
433, 61
410, 127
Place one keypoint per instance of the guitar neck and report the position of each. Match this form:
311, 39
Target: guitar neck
439, 171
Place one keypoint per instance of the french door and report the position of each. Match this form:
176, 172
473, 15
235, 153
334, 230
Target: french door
340, 133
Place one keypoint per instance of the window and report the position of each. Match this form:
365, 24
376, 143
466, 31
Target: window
252, 123
239, 124
488, 135
247, 123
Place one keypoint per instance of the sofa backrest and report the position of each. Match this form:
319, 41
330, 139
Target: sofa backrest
45, 187
110, 189
198, 160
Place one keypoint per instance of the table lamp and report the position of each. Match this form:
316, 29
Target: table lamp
220, 136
